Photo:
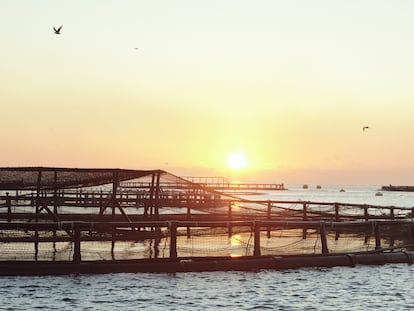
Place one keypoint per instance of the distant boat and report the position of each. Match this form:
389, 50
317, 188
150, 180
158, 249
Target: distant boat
305, 186
342, 190
378, 194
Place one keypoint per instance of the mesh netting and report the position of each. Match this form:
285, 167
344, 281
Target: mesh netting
101, 196
146, 243
32, 178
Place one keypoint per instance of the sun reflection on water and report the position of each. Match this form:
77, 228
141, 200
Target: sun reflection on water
235, 243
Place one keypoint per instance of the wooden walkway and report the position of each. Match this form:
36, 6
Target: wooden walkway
211, 186
73, 205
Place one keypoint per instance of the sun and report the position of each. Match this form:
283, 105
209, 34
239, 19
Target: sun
236, 161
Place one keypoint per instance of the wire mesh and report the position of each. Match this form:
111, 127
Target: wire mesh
234, 241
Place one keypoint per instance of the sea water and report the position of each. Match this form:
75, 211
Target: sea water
387, 287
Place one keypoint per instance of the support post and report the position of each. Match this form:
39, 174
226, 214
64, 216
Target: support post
377, 231
337, 219
411, 231
392, 239
366, 215
149, 206
37, 212
230, 219
157, 199
38, 188
188, 218
101, 204
157, 241
8, 204
115, 183
269, 217
366, 219
114, 204
36, 245
173, 241
77, 244
256, 252
55, 194
55, 198
324, 240
304, 218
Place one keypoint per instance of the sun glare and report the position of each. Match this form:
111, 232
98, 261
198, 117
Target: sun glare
236, 161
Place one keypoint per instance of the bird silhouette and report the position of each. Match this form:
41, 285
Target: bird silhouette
57, 31
365, 128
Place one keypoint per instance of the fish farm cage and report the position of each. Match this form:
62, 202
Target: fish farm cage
65, 220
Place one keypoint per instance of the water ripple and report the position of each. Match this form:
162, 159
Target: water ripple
363, 287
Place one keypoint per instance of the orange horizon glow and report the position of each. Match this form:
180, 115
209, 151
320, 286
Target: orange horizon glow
180, 87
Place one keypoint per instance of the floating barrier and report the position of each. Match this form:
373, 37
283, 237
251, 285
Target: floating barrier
204, 264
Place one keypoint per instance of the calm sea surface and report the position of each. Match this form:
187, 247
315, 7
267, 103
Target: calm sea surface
388, 287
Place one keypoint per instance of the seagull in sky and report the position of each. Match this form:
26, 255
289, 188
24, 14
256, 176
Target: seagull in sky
365, 128
57, 31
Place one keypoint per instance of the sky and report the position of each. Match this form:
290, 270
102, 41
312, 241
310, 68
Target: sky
182, 85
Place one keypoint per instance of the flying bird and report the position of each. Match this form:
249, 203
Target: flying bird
365, 128
57, 31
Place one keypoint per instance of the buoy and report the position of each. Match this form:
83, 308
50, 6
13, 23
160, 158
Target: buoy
342, 190
378, 194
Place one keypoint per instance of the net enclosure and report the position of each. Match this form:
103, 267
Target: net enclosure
46, 178
60, 214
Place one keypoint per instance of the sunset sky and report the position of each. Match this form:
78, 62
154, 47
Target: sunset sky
182, 85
